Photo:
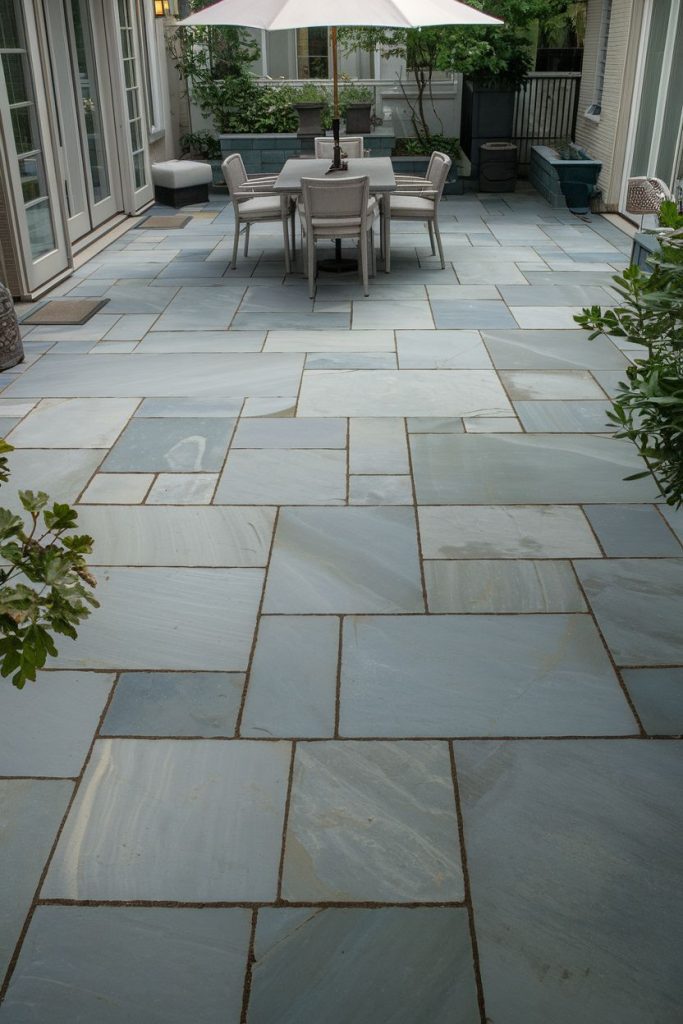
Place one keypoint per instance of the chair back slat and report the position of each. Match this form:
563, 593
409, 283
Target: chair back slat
437, 172
334, 197
235, 175
352, 145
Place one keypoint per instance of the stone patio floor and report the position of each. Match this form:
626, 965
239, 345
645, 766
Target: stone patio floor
375, 722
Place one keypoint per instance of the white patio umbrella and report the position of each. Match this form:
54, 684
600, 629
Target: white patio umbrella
273, 15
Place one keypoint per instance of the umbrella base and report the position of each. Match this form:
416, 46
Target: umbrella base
332, 169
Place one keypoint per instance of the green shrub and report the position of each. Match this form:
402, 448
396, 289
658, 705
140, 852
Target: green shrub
425, 147
648, 408
45, 585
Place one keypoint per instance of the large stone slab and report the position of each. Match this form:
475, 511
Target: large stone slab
337, 965
478, 675
31, 811
372, 822
506, 531
46, 729
637, 602
161, 820
574, 858
332, 560
160, 965
191, 536
402, 393
215, 375
153, 618
526, 469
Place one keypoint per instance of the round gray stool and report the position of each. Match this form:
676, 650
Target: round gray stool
11, 348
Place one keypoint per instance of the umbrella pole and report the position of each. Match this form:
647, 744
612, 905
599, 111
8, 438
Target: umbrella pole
336, 162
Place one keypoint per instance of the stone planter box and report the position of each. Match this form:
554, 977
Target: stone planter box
358, 120
643, 246
418, 165
564, 182
487, 115
266, 154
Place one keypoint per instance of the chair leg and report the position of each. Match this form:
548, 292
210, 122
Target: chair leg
387, 234
310, 260
431, 236
438, 242
293, 229
363, 259
235, 245
373, 253
285, 232
246, 239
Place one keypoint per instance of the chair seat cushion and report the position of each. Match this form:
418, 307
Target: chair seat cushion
181, 173
411, 206
260, 208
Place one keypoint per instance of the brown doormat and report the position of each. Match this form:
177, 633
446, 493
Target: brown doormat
166, 221
67, 312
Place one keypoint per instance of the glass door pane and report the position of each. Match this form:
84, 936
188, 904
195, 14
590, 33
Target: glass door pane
25, 128
91, 103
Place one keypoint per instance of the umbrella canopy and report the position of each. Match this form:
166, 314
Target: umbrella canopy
274, 15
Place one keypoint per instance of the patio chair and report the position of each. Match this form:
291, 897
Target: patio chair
338, 208
352, 145
418, 198
254, 202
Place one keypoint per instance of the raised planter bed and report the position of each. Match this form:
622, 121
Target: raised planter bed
643, 246
563, 181
267, 153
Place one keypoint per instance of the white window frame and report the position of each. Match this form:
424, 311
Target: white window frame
156, 120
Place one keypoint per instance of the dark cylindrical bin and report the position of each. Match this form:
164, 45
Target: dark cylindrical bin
497, 167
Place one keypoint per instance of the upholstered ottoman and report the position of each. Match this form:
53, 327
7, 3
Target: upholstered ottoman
181, 182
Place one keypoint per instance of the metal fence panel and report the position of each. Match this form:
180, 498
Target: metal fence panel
545, 111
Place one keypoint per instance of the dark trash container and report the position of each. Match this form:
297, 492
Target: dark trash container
497, 167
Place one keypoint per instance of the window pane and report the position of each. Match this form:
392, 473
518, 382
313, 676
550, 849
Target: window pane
90, 98
40, 233
650, 91
672, 111
15, 77
32, 176
139, 168
9, 26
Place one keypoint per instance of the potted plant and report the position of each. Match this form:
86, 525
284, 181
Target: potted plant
311, 105
355, 103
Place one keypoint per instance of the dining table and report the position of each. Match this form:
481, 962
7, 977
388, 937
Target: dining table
382, 182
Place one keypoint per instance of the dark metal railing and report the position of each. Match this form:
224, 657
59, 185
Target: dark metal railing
545, 112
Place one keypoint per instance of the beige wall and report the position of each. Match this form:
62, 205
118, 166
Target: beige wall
605, 139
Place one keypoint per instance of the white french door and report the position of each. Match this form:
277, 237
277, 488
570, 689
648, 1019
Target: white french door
130, 106
656, 129
84, 111
26, 150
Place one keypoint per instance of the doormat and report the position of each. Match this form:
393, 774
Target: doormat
157, 221
66, 312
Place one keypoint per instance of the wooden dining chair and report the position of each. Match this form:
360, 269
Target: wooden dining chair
255, 202
418, 198
338, 208
352, 145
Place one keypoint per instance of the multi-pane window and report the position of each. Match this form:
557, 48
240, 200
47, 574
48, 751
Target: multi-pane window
134, 104
312, 53
16, 66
